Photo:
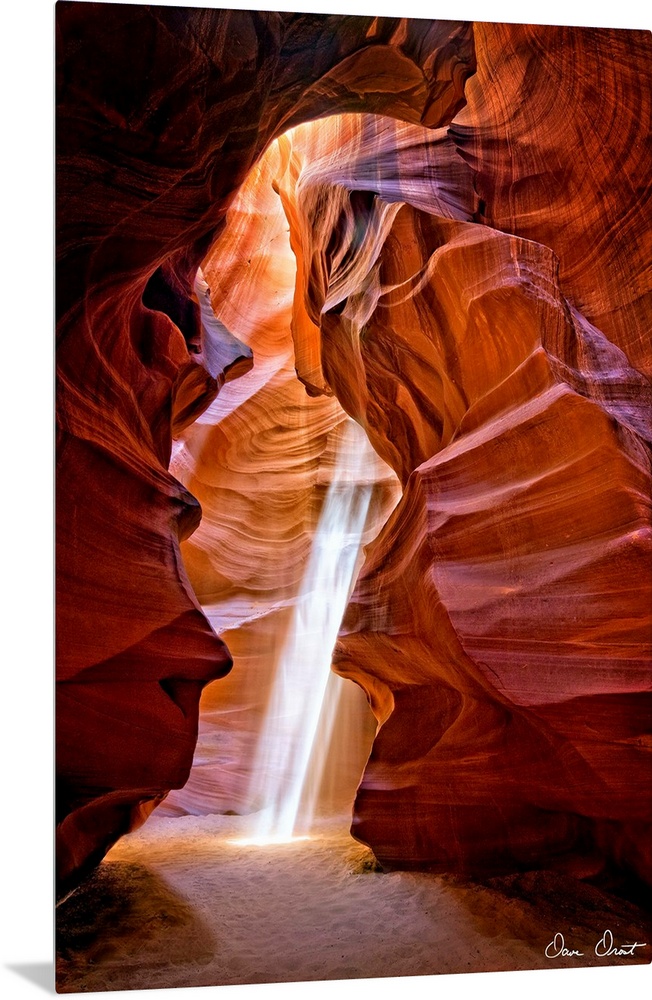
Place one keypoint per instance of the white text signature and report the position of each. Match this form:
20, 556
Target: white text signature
604, 948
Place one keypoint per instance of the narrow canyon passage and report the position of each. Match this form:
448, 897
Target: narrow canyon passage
249, 873
353, 371
291, 492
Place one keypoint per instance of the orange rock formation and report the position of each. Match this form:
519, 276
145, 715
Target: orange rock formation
473, 285
259, 461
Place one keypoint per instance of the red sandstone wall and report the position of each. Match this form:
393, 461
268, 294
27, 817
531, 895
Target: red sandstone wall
161, 112
478, 297
260, 460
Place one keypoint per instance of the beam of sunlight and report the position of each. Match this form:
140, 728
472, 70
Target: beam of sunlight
321, 749
286, 742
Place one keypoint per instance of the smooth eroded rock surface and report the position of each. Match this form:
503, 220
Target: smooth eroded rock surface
460, 259
161, 113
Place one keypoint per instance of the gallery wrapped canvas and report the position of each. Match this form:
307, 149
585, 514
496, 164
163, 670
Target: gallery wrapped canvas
353, 496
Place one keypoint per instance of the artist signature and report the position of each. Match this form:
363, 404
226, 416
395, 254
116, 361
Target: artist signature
604, 948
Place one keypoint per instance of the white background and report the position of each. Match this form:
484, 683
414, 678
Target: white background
26, 162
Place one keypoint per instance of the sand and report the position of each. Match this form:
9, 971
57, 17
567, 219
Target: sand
181, 903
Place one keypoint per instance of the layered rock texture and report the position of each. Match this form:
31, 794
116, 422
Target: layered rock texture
461, 259
260, 460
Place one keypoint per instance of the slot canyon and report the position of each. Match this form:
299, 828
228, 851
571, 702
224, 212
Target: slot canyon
353, 428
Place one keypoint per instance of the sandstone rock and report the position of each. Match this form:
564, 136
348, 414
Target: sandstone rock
473, 286
259, 460
161, 113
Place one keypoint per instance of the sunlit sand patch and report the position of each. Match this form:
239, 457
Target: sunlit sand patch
201, 908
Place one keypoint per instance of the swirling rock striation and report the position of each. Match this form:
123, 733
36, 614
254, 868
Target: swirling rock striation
161, 113
260, 460
473, 285
501, 627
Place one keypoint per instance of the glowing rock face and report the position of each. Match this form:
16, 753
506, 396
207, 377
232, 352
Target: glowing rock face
475, 295
261, 460
148, 160
501, 625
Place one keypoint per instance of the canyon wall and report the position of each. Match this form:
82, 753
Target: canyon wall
469, 277
514, 690
161, 113
260, 460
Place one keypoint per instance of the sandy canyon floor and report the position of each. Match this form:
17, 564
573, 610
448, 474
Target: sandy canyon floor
181, 903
